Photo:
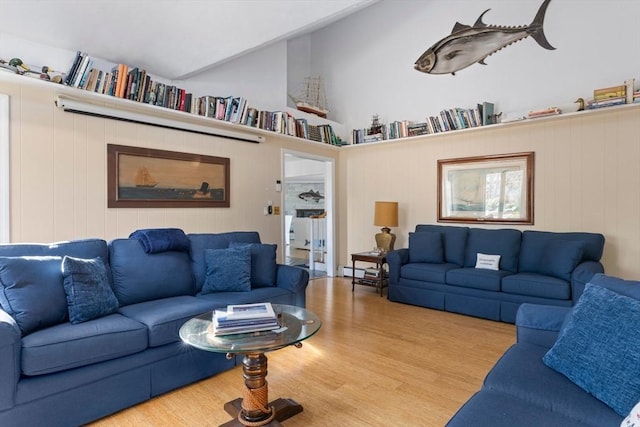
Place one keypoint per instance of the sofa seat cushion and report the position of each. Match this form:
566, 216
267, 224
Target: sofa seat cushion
521, 373
66, 346
164, 317
477, 278
434, 273
488, 408
536, 285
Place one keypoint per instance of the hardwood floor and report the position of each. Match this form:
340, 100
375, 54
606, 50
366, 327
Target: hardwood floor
373, 363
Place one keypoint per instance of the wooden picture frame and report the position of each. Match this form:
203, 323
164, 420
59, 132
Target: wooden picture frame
494, 189
147, 178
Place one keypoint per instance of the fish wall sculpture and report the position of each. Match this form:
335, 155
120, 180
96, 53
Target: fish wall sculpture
467, 45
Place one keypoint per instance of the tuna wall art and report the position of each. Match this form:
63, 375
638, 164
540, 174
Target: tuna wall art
467, 45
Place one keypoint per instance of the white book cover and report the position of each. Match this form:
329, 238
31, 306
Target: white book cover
250, 311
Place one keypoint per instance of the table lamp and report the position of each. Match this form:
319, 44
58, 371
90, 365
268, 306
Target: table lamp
386, 215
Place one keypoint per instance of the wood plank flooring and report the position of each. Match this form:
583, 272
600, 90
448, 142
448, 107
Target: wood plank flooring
373, 363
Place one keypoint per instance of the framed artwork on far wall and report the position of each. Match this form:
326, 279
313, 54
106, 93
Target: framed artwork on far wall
147, 178
486, 189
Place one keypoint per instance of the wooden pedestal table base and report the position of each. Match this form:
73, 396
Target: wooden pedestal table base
253, 410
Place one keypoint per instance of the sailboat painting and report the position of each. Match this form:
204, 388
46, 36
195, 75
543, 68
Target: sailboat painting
140, 177
311, 97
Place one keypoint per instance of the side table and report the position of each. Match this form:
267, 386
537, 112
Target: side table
379, 259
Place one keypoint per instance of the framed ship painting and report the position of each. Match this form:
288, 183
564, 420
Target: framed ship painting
147, 178
489, 189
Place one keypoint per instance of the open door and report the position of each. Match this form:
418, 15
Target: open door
308, 222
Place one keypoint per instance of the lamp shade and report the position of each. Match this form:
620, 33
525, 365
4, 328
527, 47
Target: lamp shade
386, 214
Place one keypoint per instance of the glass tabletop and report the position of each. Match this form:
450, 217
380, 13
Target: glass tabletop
296, 324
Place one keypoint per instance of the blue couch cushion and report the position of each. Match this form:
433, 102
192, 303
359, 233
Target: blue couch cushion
536, 285
263, 263
201, 242
560, 258
228, 270
505, 242
534, 244
66, 346
31, 291
86, 285
454, 240
426, 246
599, 349
630, 288
434, 273
493, 409
520, 373
164, 317
477, 278
274, 295
138, 276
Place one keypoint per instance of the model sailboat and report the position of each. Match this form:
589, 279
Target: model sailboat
312, 98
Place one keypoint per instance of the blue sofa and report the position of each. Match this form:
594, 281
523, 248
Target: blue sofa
58, 373
571, 366
440, 269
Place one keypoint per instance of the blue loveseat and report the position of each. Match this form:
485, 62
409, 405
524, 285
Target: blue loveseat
441, 269
571, 366
57, 373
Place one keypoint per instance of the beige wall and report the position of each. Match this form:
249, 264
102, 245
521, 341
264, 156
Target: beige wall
58, 173
587, 178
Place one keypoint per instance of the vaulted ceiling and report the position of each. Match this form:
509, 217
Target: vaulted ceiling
176, 39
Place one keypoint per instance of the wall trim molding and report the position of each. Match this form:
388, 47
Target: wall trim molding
5, 196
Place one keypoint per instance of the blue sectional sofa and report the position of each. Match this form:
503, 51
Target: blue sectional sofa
488, 273
88, 328
571, 366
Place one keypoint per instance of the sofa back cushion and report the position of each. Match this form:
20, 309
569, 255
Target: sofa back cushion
454, 240
82, 248
31, 291
139, 276
536, 243
426, 246
201, 242
503, 242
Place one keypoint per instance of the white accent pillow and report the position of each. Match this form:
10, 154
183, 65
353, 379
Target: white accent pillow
490, 262
633, 419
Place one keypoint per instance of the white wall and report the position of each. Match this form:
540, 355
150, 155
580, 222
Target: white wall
367, 58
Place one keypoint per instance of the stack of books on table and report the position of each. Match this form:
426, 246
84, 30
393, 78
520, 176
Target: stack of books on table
244, 318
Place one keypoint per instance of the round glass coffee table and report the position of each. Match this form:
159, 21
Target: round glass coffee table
254, 409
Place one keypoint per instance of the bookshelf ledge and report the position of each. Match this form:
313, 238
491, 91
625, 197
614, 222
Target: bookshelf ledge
162, 117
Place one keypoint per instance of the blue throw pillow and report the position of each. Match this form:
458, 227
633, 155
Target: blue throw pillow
228, 270
426, 246
32, 291
86, 284
599, 348
560, 258
263, 263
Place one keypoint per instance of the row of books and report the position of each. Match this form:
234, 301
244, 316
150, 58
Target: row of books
613, 95
244, 318
446, 120
136, 85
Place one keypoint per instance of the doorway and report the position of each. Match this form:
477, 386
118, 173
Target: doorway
308, 222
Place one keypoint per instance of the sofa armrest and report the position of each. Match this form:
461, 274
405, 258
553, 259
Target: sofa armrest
582, 275
294, 279
395, 260
539, 324
10, 347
